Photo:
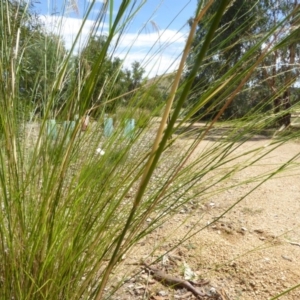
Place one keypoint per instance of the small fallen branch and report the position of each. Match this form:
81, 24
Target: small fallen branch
173, 281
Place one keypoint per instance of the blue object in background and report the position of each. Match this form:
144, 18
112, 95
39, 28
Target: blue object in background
69, 127
108, 126
129, 128
51, 129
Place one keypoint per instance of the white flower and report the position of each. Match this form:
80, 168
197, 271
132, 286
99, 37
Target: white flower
100, 151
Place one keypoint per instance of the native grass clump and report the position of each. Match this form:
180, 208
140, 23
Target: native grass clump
90, 163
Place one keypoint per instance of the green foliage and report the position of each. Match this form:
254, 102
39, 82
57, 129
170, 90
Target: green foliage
143, 118
114, 81
110, 82
136, 75
41, 62
37, 57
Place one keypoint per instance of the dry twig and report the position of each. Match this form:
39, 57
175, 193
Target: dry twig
295, 244
173, 281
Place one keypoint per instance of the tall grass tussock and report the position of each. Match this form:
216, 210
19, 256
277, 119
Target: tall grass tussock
69, 212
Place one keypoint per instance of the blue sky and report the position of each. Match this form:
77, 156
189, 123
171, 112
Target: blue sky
155, 37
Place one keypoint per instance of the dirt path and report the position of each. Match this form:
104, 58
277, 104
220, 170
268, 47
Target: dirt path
253, 252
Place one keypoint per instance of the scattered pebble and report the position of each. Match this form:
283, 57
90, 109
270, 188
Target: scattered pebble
213, 291
162, 293
286, 258
267, 259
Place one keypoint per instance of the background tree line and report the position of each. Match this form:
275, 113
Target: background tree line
42, 53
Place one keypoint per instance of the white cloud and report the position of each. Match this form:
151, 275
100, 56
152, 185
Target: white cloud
148, 39
158, 52
68, 28
156, 64
99, 1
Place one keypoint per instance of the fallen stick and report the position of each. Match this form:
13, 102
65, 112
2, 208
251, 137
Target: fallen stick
173, 281
295, 244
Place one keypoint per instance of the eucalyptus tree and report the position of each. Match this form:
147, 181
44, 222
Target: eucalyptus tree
243, 23
280, 68
234, 36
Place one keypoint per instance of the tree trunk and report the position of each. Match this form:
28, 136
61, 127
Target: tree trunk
283, 104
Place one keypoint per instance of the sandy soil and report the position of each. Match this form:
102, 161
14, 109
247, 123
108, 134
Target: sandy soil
253, 252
